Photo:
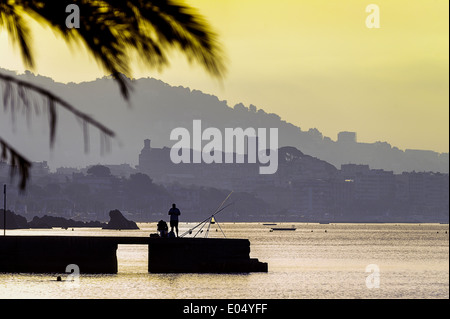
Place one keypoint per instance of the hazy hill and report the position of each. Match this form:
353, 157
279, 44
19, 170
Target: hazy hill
156, 108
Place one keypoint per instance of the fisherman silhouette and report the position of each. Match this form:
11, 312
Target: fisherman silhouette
174, 212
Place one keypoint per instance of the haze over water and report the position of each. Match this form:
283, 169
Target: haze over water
317, 261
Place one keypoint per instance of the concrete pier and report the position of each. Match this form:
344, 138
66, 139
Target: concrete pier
52, 254
202, 255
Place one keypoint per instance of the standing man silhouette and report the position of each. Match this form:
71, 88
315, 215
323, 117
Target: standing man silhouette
174, 212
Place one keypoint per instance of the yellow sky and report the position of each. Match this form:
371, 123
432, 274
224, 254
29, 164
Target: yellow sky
314, 63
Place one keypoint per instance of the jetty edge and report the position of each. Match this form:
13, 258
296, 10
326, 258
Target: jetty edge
97, 254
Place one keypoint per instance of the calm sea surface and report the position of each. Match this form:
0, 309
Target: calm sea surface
315, 261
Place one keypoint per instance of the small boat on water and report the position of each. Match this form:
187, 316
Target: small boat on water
283, 228
269, 224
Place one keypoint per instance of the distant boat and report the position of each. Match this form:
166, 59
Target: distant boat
283, 228
269, 224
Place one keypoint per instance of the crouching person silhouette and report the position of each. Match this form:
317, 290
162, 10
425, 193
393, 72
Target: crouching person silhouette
162, 228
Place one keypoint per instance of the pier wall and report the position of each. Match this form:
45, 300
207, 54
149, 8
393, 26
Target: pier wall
202, 255
52, 254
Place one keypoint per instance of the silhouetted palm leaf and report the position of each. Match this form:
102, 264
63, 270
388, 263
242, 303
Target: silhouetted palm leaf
111, 30
17, 161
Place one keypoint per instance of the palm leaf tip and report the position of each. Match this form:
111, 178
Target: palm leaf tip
17, 162
11, 19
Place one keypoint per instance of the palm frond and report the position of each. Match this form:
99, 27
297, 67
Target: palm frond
12, 20
17, 95
112, 29
52, 99
17, 162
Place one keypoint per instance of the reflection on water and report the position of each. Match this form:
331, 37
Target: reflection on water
315, 261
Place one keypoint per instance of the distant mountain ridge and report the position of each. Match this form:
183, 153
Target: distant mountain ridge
156, 108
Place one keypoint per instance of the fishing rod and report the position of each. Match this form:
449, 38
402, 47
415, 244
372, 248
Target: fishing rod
204, 222
217, 211
222, 203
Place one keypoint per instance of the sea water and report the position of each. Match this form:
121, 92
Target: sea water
316, 261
